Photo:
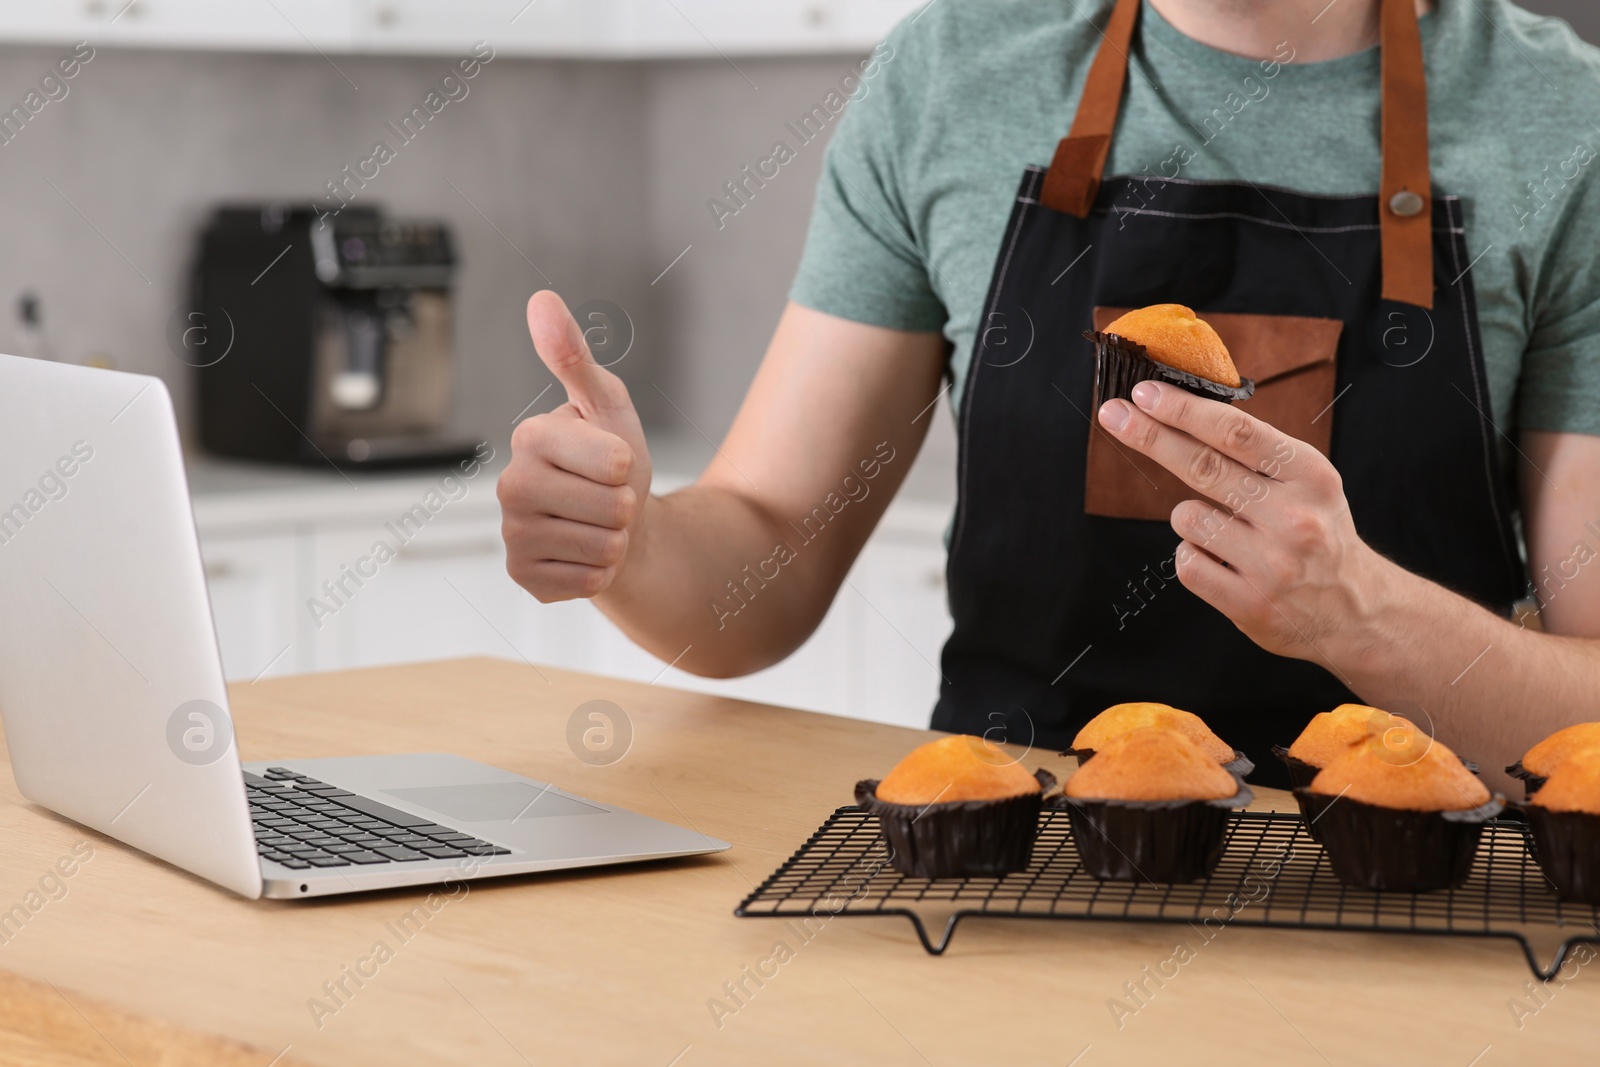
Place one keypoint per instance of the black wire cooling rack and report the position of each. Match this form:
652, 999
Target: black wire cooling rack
1271, 875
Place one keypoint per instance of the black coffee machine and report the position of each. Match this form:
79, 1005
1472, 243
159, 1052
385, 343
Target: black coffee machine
323, 339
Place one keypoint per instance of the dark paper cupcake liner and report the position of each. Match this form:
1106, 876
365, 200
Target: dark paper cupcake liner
1531, 783
1300, 775
1160, 841
1240, 766
1300, 772
961, 838
1370, 847
1566, 845
1120, 364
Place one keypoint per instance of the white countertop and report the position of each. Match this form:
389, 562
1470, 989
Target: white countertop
232, 497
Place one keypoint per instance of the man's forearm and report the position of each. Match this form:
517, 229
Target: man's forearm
718, 586
736, 571
1287, 566
1488, 687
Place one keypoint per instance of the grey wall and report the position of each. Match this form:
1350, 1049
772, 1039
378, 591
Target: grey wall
705, 123
715, 310
145, 142
597, 173
1584, 15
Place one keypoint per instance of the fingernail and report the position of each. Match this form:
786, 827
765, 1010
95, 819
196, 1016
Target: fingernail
1114, 414
1146, 395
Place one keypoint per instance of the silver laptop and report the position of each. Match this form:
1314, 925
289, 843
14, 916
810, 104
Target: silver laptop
115, 709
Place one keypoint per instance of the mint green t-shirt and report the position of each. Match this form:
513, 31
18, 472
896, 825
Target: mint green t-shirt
920, 177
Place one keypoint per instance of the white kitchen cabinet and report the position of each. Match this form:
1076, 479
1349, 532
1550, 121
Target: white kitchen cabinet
598, 29
445, 593
284, 552
628, 29
813, 677
898, 619
282, 25
255, 25
875, 656
511, 27
754, 27
253, 582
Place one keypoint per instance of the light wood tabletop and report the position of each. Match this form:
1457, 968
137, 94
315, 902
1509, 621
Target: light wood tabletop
128, 961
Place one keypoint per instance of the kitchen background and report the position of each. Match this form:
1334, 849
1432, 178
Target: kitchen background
581, 159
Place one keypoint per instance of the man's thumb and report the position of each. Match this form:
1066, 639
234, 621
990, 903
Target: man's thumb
556, 337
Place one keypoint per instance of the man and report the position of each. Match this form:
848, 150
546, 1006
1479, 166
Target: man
1386, 206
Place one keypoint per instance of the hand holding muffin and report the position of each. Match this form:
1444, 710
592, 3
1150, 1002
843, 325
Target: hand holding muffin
1283, 561
1165, 342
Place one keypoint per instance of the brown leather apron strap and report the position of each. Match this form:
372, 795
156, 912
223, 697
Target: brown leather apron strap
1074, 176
1405, 205
1405, 195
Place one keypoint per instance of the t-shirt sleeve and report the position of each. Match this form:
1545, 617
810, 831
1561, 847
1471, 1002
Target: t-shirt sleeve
1559, 390
862, 258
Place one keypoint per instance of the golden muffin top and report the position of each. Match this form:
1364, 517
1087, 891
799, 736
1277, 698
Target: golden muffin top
1408, 771
1120, 718
1573, 784
959, 767
1331, 732
1171, 334
1151, 763
1548, 754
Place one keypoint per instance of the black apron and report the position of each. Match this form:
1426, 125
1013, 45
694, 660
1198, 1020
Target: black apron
1060, 613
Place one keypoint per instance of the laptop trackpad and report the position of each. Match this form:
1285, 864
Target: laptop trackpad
494, 801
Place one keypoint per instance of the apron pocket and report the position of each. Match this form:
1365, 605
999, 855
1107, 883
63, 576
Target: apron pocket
1293, 361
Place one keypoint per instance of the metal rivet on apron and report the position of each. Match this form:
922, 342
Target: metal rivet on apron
1405, 203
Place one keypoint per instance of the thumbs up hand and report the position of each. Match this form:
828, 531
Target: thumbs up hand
572, 496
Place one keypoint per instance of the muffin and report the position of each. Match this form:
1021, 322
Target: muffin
1152, 806
1120, 718
1165, 342
958, 807
1330, 733
1537, 763
1399, 813
1564, 819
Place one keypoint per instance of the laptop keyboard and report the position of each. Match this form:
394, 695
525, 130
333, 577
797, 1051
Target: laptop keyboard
302, 823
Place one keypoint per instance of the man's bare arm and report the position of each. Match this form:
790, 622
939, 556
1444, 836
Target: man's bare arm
1285, 564
733, 573
1560, 479
1508, 687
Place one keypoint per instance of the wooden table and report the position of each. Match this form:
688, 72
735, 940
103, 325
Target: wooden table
138, 963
